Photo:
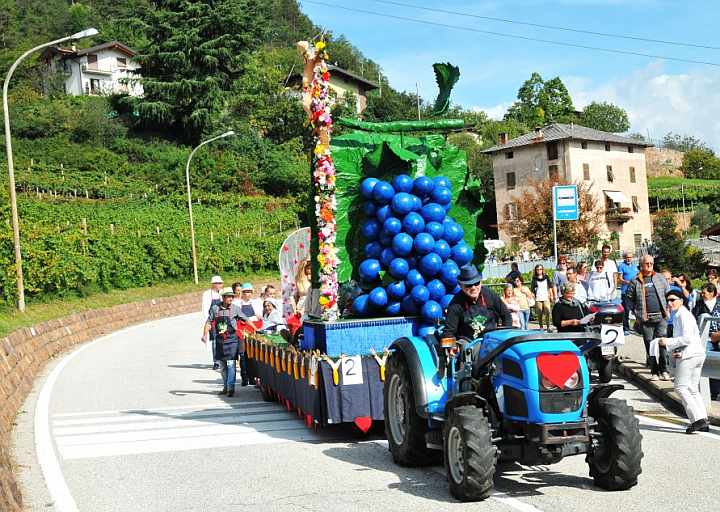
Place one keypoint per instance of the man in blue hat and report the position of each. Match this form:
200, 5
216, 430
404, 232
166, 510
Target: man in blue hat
475, 308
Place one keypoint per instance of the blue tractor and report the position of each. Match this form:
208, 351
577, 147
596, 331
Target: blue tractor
511, 395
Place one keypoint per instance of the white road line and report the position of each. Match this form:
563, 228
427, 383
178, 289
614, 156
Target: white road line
214, 405
713, 434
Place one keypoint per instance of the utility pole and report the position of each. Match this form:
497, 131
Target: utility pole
417, 94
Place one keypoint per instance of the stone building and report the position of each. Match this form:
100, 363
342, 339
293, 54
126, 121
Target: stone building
612, 165
342, 82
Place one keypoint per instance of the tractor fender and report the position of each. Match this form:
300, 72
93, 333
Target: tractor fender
422, 361
600, 392
465, 398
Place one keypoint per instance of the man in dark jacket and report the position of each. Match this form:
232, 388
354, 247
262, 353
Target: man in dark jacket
475, 308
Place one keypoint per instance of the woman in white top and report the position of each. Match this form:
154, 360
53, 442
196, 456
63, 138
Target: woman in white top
599, 286
689, 350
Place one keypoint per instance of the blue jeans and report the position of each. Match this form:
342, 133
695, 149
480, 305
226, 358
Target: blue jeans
228, 374
626, 304
524, 318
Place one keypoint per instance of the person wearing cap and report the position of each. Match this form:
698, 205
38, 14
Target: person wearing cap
211, 298
628, 270
688, 349
222, 322
250, 306
475, 308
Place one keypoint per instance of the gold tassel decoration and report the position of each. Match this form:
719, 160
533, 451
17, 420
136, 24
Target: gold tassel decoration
302, 366
381, 361
335, 365
296, 366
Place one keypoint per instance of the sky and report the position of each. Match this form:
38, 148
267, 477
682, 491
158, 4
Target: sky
659, 95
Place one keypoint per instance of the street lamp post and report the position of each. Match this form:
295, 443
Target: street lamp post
11, 172
189, 198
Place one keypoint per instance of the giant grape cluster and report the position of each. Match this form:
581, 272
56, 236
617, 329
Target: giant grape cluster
413, 250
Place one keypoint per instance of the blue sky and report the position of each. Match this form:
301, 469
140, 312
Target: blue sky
659, 95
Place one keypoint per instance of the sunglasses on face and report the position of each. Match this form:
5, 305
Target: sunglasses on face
672, 299
468, 286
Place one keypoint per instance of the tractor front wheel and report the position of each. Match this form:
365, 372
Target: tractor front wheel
615, 458
470, 455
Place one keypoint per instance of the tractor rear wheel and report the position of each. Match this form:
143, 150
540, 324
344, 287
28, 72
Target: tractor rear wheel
470, 455
615, 461
404, 428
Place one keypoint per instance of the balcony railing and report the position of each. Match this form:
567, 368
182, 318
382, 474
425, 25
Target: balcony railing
618, 215
96, 71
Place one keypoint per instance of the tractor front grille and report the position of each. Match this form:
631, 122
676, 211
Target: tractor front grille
560, 401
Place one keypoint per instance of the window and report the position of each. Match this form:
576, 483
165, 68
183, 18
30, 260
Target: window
583, 145
636, 204
92, 61
553, 172
511, 211
509, 155
94, 86
637, 237
586, 172
552, 150
610, 174
510, 181
607, 147
631, 149
121, 62
632, 175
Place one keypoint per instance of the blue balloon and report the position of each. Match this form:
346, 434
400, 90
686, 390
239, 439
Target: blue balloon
399, 268
402, 183
414, 278
462, 254
436, 289
442, 249
430, 264
373, 250
445, 302
413, 223
370, 229
392, 226
383, 192
423, 243
369, 208
420, 294
442, 181
396, 290
453, 233
447, 207
385, 238
402, 203
367, 186
417, 204
386, 256
433, 212
393, 308
422, 186
435, 229
449, 274
378, 297
402, 244
432, 311
369, 269
383, 212
426, 329
408, 306
361, 305
441, 195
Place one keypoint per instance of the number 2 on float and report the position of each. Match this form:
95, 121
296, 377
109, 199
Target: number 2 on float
612, 335
352, 370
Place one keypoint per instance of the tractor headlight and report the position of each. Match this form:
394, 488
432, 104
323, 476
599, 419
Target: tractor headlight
546, 385
573, 381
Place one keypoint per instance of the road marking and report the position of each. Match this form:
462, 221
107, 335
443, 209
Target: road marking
209, 405
713, 434
513, 502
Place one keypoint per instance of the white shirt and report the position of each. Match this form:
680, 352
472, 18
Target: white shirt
207, 298
255, 303
541, 293
580, 293
599, 287
686, 334
610, 268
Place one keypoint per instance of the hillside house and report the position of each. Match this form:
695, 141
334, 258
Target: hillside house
612, 165
343, 81
101, 70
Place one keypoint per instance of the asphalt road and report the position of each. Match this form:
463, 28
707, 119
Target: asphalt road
134, 424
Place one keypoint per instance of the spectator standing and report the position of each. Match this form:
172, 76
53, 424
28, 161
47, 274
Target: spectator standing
525, 299
683, 282
627, 270
544, 293
609, 265
248, 304
708, 303
514, 272
689, 351
559, 278
582, 273
211, 297
647, 294
512, 303
580, 294
600, 286
568, 312
712, 277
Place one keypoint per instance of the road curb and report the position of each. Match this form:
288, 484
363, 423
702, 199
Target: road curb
662, 390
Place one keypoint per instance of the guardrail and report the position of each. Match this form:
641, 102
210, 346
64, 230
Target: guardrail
711, 368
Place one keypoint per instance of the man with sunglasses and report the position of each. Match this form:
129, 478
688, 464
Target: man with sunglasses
475, 308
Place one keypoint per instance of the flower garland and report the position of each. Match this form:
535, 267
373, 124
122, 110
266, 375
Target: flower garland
318, 104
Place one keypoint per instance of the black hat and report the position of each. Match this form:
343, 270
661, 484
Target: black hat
469, 275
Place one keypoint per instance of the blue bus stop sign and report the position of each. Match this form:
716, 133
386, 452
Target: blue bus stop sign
565, 202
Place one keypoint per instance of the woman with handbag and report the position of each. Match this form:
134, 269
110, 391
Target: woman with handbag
525, 299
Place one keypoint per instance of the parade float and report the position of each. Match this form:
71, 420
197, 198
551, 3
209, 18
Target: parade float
393, 218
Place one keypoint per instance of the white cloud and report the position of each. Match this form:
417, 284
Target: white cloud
496, 112
660, 102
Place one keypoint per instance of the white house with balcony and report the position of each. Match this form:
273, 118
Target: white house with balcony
104, 69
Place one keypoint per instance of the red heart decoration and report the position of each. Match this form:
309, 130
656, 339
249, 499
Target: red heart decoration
363, 423
557, 368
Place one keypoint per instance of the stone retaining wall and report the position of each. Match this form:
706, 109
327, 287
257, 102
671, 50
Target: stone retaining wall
24, 353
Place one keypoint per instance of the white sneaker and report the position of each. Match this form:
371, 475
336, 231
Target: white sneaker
666, 376
655, 378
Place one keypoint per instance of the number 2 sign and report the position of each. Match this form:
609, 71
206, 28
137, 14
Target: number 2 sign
612, 335
352, 370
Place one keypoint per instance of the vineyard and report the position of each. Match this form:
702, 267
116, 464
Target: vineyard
73, 247
668, 192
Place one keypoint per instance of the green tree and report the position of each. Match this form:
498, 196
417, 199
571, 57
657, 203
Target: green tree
391, 106
703, 218
540, 102
197, 50
701, 163
606, 117
683, 142
673, 252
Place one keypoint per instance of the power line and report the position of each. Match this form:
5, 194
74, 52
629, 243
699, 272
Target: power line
513, 36
550, 27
